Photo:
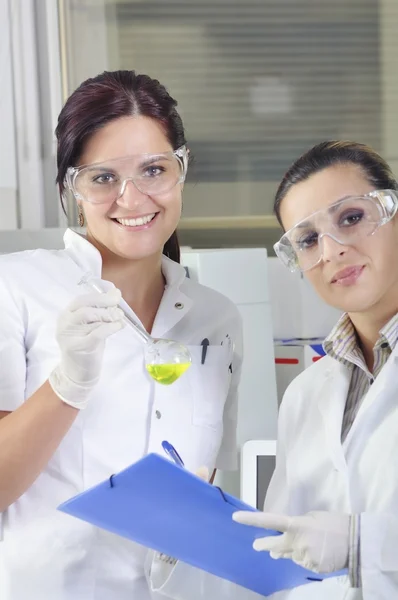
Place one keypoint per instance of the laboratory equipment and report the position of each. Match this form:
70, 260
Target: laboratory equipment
298, 313
301, 320
257, 467
291, 359
165, 360
241, 274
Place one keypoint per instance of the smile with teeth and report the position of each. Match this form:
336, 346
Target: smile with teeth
136, 222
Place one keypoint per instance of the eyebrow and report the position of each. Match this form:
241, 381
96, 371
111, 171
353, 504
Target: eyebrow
334, 207
330, 209
154, 158
303, 225
103, 168
98, 168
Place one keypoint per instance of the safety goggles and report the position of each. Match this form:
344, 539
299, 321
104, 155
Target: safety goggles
151, 174
345, 221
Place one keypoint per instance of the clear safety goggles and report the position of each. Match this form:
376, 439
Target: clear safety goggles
151, 174
345, 221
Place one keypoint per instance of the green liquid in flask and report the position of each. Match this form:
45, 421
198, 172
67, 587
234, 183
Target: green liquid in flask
168, 373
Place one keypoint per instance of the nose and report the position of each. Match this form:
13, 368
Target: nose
130, 196
331, 248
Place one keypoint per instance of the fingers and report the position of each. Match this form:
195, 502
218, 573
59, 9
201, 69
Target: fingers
87, 315
85, 339
111, 298
104, 330
304, 561
275, 544
277, 555
260, 519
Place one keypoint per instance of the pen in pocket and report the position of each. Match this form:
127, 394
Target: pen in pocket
205, 344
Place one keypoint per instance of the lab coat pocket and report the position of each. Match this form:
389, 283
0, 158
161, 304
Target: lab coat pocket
209, 384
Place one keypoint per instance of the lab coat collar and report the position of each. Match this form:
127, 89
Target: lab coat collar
381, 387
174, 305
84, 254
88, 257
332, 400
331, 403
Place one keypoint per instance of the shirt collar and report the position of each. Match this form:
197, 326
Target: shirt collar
341, 343
89, 259
389, 333
342, 340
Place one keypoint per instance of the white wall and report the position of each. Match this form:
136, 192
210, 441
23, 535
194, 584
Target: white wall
28, 136
8, 174
30, 100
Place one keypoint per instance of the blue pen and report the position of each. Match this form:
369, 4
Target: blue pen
172, 452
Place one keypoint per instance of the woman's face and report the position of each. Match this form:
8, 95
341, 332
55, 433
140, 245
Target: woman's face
136, 225
352, 278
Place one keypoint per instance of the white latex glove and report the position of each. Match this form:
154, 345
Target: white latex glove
318, 541
81, 333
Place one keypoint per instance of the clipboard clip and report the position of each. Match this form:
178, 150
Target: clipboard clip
225, 498
222, 494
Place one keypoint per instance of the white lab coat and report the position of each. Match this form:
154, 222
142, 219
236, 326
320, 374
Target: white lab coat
314, 471
45, 554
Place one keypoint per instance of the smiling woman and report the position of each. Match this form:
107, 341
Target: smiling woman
76, 401
133, 119
139, 191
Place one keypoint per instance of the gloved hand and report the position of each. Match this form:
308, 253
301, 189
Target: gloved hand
81, 333
318, 541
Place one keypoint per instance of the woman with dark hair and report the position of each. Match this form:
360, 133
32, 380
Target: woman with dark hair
76, 403
334, 493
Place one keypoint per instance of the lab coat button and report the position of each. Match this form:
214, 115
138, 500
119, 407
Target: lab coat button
178, 305
158, 414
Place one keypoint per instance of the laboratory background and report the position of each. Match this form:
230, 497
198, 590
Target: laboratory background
258, 83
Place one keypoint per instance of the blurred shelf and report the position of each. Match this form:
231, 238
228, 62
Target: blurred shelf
230, 232
238, 222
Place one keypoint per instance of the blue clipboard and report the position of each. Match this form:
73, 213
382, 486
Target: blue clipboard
166, 508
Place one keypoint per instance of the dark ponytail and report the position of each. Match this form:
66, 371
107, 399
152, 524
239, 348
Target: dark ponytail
171, 249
